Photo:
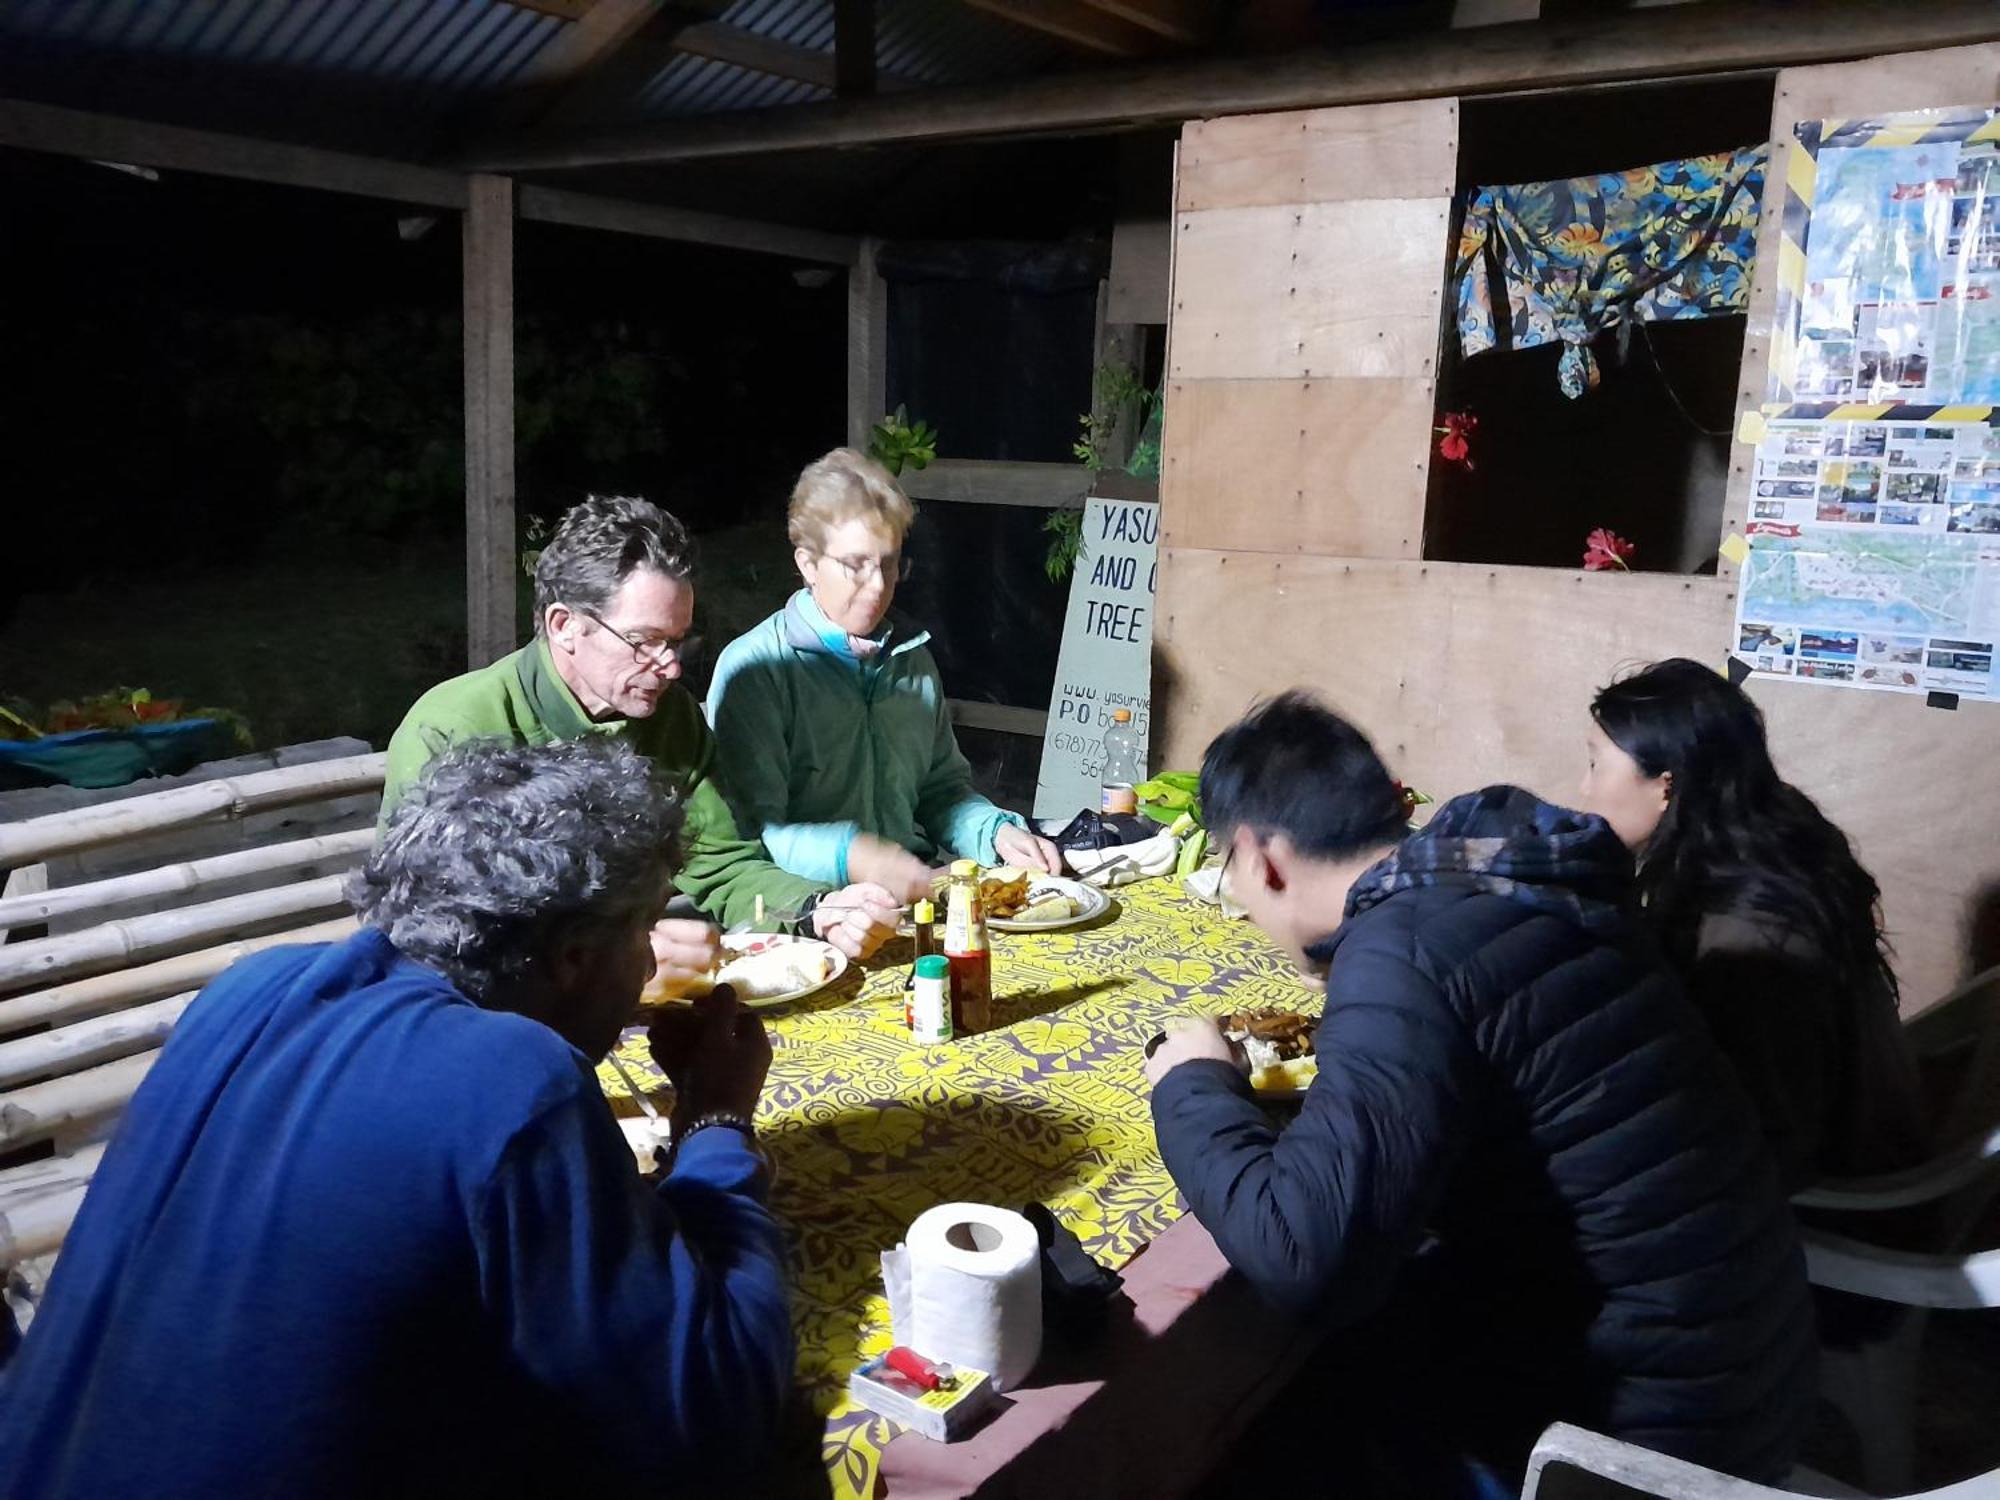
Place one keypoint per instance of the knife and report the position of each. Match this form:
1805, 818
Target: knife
632, 1087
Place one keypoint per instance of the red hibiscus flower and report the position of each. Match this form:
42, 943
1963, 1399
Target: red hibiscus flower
1454, 440
1604, 550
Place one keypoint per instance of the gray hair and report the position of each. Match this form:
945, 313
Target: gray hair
599, 544
504, 851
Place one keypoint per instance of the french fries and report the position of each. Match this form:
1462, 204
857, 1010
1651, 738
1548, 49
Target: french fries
1003, 892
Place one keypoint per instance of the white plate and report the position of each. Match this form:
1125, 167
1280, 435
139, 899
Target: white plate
642, 1135
760, 942
1091, 903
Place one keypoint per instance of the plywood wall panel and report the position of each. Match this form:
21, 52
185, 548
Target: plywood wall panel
1918, 791
1464, 675
1345, 289
1913, 80
1247, 466
1467, 675
1407, 149
1233, 627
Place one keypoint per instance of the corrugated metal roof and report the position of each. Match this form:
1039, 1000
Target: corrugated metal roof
698, 86
431, 46
361, 72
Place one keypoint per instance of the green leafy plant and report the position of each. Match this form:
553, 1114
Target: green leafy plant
1066, 527
1119, 393
896, 443
1121, 397
535, 533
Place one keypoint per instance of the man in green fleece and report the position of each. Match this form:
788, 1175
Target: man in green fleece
614, 600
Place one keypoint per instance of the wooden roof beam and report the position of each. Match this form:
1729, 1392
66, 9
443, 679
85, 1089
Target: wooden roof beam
75, 132
617, 45
1187, 23
723, 43
78, 133
562, 10
1076, 22
1678, 41
760, 54
854, 47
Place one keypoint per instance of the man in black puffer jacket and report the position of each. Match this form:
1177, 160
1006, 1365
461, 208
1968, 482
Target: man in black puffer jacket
1524, 1180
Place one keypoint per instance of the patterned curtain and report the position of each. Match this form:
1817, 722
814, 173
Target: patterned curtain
1571, 259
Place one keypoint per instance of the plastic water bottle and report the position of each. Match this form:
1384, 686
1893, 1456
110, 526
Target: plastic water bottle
1121, 765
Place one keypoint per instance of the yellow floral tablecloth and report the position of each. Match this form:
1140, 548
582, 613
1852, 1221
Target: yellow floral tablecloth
868, 1129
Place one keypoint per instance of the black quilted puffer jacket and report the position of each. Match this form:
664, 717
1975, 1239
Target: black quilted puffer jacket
1517, 1104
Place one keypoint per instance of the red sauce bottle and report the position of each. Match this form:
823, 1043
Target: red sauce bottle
965, 947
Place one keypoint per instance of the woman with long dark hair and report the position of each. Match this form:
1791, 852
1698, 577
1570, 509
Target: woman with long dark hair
1760, 904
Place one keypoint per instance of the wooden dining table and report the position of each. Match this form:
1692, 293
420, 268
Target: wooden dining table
867, 1129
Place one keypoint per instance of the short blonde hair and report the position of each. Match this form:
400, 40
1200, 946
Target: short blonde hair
843, 485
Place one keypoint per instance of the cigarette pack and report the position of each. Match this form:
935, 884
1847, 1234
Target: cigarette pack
940, 1415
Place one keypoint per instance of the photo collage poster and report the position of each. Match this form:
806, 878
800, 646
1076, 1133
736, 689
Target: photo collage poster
1873, 533
1874, 556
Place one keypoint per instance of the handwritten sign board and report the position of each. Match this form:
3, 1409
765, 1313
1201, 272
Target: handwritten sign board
1106, 660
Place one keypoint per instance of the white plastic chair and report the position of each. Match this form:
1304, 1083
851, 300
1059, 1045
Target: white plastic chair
1572, 1464
1874, 1384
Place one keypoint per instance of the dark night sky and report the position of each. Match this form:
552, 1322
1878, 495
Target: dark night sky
103, 273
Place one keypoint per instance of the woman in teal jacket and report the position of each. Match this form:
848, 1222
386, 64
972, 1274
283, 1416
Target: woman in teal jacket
832, 720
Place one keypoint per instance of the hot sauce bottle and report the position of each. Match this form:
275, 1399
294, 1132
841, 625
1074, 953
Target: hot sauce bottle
966, 949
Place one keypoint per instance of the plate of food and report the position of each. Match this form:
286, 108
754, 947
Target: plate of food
1050, 903
770, 968
1275, 1048
1017, 900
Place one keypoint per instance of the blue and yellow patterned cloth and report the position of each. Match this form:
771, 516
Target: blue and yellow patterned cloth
1574, 258
868, 1129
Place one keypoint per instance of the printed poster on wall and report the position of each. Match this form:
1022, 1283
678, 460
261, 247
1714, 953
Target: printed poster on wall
1874, 556
1106, 660
1873, 538
1900, 298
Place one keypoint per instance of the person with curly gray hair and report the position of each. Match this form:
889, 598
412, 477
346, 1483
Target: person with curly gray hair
368, 1226
614, 612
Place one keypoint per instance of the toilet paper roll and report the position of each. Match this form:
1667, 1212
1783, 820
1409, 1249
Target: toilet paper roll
965, 1287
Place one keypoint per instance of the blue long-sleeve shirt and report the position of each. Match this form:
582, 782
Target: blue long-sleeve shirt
357, 1235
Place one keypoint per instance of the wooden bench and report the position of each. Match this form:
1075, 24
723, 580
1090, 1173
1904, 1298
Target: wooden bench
114, 915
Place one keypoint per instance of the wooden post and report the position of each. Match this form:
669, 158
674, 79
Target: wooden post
1119, 346
853, 47
490, 557
867, 345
